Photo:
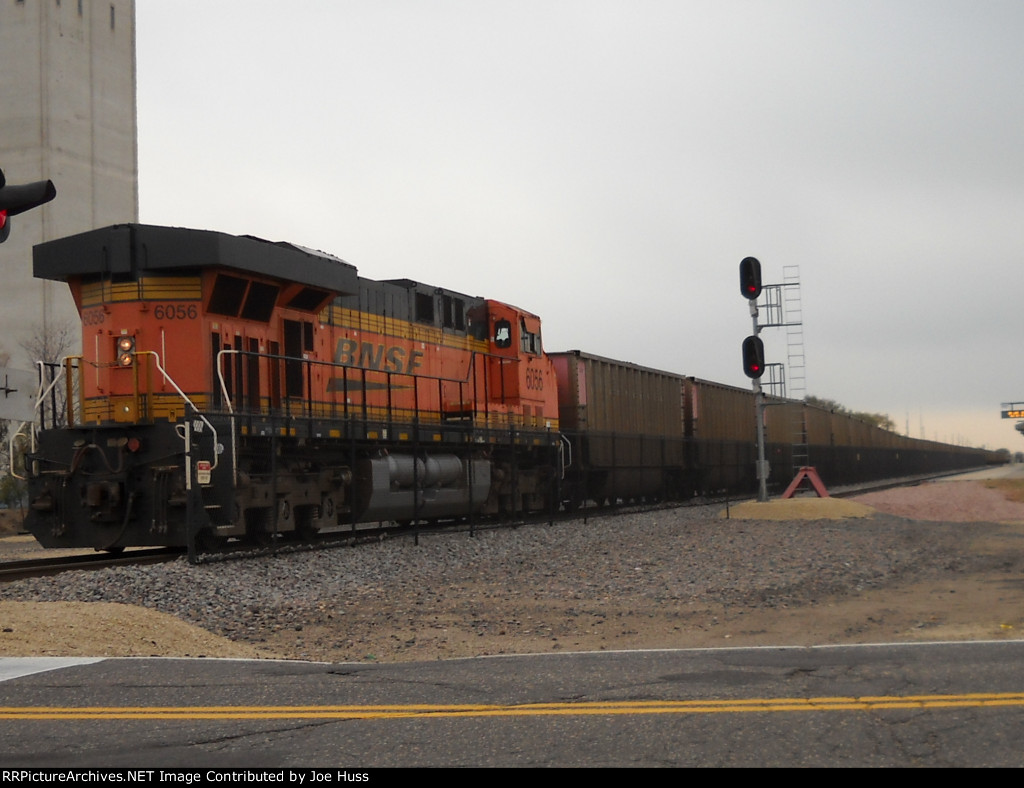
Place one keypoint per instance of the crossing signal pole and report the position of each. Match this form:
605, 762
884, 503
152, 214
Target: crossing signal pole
754, 364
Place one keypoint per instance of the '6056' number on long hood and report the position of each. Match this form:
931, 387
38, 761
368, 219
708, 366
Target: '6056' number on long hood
176, 311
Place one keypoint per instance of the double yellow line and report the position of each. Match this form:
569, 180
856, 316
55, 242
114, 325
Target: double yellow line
746, 705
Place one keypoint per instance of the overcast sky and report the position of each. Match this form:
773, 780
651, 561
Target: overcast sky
606, 164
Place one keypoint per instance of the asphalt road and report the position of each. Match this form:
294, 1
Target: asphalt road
948, 704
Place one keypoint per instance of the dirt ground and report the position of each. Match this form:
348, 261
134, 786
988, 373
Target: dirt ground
952, 605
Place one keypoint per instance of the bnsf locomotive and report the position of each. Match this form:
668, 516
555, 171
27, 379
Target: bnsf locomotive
233, 388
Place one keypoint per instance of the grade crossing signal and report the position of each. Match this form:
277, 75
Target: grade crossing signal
18, 199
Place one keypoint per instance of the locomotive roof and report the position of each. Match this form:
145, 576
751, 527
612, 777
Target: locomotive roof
134, 249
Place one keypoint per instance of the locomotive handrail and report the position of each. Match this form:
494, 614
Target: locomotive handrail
41, 395
335, 365
230, 400
564, 451
468, 378
10, 449
188, 401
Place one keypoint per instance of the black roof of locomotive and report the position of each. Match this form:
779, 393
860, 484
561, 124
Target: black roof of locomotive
134, 249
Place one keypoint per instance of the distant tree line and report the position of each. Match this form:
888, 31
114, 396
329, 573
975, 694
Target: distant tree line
875, 419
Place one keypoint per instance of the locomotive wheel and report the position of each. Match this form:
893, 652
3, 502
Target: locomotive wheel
209, 542
305, 523
257, 521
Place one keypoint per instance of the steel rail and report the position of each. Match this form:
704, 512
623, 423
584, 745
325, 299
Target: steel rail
50, 565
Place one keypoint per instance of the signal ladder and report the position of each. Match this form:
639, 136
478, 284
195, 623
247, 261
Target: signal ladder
783, 309
796, 361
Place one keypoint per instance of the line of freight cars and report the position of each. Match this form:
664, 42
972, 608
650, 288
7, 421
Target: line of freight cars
641, 432
233, 388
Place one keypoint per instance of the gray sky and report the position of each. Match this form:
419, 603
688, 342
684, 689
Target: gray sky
607, 163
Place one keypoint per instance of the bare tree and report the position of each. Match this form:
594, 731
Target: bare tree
50, 344
12, 489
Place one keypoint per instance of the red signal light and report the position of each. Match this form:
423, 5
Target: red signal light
18, 199
750, 278
753, 357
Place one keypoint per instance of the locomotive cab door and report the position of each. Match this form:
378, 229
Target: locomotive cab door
503, 363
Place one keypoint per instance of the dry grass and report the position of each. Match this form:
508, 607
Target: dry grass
10, 522
1013, 489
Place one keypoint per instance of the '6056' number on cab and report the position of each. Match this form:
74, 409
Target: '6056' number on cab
175, 312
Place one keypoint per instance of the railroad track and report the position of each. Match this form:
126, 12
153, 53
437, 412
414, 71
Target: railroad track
18, 570
50, 565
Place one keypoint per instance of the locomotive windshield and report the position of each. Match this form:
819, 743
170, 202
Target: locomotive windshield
502, 334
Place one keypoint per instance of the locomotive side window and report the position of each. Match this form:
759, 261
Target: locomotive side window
227, 295
308, 299
259, 304
503, 334
424, 308
454, 313
529, 342
477, 322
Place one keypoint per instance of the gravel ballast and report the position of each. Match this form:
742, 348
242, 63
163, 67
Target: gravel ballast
655, 579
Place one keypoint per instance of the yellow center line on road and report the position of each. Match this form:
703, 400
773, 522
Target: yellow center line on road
747, 705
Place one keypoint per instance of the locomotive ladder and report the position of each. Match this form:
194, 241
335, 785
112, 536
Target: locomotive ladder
795, 362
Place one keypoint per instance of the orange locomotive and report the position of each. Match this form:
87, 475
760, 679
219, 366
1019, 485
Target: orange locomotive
233, 387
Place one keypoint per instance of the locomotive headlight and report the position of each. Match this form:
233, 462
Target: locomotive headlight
125, 351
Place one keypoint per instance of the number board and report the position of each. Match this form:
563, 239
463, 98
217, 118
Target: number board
1013, 410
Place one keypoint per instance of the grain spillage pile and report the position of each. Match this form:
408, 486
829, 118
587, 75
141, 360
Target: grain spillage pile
674, 578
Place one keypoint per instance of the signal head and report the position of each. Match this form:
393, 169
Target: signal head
753, 357
750, 278
18, 199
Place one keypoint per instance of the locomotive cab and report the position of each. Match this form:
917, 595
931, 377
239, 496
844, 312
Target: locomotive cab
520, 376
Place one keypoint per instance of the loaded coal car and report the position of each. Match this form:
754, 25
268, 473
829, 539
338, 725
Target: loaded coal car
624, 425
849, 450
636, 433
230, 387
722, 428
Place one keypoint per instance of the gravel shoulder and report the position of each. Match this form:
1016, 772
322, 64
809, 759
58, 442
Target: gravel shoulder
942, 561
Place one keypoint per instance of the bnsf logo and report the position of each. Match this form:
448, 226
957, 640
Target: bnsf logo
377, 357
